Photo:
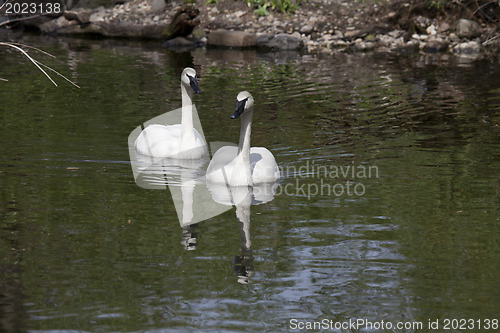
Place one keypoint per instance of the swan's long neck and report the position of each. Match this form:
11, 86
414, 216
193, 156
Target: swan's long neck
187, 133
244, 145
245, 133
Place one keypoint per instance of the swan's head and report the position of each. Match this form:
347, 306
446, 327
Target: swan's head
244, 102
189, 78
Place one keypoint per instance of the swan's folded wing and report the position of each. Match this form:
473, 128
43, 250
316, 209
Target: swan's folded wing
264, 166
159, 140
220, 168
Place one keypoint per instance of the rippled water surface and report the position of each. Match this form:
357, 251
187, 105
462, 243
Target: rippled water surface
388, 208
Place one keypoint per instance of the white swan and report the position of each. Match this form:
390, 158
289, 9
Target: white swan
182, 140
242, 165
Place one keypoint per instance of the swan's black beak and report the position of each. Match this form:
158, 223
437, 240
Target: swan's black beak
240, 107
194, 84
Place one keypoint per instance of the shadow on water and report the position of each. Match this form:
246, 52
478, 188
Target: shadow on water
388, 208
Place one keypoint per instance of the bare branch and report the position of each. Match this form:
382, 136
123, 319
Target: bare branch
37, 63
57, 73
490, 40
34, 48
4, 4
30, 58
479, 8
19, 19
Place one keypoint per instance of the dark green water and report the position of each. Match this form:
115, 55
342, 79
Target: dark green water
83, 248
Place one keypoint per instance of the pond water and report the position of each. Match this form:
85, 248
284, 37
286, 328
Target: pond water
388, 208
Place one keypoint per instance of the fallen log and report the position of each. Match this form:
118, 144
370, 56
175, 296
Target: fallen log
128, 22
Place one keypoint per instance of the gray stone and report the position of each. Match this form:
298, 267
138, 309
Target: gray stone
435, 46
468, 29
422, 22
82, 16
443, 27
339, 34
352, 34
239, 13
231, 38
394, 33
158, 5
57, 24
280, 42
453, 37
98, 16
307, 29
362, 46
471, 47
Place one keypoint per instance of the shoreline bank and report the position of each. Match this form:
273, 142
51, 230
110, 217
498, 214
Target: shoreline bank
317, 26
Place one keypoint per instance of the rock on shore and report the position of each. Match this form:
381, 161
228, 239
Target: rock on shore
336, 26
317, 26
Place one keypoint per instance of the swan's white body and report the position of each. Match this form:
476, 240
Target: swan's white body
229, 167
243, 165
167, 141
182, 140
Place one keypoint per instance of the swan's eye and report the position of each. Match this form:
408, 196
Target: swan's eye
191, 78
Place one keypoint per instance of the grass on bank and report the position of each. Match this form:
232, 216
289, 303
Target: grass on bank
262, 6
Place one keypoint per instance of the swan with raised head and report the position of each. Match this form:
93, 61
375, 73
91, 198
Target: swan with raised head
243, 165
182, 140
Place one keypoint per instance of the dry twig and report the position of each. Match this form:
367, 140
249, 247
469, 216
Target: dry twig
38, 64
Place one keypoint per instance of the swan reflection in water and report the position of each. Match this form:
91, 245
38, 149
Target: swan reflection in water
190, 237
196, 200
185, 178
242, 197
186, 181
